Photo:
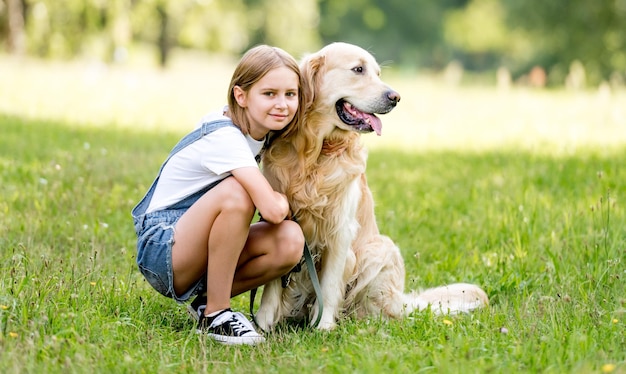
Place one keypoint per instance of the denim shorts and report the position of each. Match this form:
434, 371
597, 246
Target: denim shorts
154, 254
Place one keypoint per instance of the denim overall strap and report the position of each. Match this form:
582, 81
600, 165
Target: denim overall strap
206, 128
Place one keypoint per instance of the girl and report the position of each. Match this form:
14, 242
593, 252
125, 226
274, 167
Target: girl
193, 225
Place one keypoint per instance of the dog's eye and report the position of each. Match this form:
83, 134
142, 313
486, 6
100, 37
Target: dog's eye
358, 69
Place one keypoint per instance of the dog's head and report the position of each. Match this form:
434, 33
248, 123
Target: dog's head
342, 82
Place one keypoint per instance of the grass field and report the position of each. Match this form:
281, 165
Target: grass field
519, 191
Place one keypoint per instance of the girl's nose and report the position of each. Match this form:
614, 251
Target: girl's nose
281, 102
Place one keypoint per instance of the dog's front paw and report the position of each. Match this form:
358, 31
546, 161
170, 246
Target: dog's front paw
265, 319
327, 321
270, 311
326, 325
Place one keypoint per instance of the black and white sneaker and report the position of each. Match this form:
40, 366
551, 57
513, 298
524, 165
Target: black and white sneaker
228, 327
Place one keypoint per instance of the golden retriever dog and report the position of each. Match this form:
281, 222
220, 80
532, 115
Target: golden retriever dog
321, 168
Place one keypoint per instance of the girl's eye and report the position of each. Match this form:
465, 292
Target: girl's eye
269, 93
291, 94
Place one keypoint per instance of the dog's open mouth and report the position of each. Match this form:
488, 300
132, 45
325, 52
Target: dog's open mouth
358, 120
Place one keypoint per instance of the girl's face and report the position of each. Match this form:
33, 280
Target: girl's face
271, 102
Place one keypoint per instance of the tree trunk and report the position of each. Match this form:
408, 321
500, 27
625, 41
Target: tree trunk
16, 37
164, 44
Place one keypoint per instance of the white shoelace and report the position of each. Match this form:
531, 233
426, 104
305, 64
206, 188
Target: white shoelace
238, 327
243, 322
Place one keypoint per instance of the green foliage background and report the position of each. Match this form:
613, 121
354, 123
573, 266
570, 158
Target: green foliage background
417, 34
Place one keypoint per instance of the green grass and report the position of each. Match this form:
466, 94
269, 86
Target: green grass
543, 233
520, 191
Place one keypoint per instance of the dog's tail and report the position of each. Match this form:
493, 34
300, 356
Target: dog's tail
451, 299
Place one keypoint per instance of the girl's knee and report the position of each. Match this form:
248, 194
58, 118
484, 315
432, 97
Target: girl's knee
290, 243
235, 197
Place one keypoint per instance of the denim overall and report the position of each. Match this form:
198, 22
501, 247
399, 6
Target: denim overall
155, 230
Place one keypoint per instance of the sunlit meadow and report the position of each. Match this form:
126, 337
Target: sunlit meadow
433, 114
517, 189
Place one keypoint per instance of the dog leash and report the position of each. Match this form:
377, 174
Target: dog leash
310, 264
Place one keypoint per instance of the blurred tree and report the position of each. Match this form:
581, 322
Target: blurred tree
480, 34
214, 25
293, 28
119, 34
226, 26
565, 31
167, 24
59, 28
163, 41
477, 33
406, 32
15, 30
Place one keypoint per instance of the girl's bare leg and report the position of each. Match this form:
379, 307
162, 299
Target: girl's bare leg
216, 231
213, 231
270, 252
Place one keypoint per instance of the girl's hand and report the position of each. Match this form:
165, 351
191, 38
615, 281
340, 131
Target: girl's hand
281, 208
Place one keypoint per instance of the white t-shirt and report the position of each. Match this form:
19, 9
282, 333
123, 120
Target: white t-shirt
203, 162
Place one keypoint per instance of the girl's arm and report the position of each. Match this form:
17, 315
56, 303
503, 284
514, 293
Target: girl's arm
272, 205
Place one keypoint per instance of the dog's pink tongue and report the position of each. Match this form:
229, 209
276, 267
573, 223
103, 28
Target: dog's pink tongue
376, 124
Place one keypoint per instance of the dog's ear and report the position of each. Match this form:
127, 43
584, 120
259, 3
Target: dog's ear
310, 69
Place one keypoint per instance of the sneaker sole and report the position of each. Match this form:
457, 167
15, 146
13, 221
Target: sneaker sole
232, 340
229, 340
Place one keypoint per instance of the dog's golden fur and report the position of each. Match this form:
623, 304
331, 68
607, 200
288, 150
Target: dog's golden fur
321, 168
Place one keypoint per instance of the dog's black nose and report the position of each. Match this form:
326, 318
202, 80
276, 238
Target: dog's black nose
393, 96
